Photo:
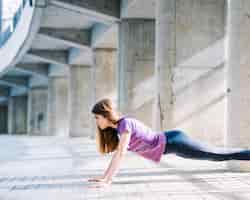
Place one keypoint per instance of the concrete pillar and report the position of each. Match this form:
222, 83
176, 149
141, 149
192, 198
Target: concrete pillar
104, 78
10, 115
80, 95
105, 73
165, 58
38, 111
136, 68
3, 119
238, 80
58, 111
17, 115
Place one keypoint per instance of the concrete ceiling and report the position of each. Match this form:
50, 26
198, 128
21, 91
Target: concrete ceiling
64, 18
15, 72
30, 59
43, 42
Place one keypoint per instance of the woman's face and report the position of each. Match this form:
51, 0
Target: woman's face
101, 121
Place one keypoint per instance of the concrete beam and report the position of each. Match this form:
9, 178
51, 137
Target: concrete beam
33, 69
15, 82
79, 57
18, 91
105, 11
78, 38
49, 56
35, 82
104, 36
58, 71
4, 92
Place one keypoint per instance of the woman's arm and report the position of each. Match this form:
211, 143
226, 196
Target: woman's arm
117, 156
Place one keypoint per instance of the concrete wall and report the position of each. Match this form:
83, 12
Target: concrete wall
199, 73
38, 111
199, 79
238, 79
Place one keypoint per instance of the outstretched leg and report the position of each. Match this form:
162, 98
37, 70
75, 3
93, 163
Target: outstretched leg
184, 146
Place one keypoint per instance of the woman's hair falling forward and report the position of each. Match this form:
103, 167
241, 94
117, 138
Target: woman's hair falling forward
107, 139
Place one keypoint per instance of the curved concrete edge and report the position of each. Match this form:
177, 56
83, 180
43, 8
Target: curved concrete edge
20, 42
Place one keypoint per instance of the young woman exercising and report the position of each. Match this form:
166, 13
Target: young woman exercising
118, 133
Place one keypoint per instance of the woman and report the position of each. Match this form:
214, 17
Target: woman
117, 133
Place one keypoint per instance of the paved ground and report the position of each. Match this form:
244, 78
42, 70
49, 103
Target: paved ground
55, 168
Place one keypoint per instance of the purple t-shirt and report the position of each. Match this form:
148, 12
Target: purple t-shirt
143, 140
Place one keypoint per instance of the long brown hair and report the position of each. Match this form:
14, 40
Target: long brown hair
107, 139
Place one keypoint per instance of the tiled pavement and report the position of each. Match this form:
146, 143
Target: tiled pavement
49, 168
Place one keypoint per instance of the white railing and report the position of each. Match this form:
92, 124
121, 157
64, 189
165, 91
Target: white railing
9, 24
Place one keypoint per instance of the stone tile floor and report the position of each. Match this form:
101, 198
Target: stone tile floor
49, 168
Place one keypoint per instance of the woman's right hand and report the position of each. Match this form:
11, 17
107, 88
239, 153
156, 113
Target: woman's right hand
96, 179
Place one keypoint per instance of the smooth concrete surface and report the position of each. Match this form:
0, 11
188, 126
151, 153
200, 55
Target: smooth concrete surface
58, 106
165, 58
136, 67
38, 111
10, 115
238, 70
80, 95
199, 106
104, 74
189, 64
58, 168
17, 114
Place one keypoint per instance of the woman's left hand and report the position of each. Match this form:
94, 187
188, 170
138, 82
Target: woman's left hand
105, 183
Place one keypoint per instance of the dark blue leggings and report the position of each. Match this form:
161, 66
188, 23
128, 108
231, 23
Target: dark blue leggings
184, 146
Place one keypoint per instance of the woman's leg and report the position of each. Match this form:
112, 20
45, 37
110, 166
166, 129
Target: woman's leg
184, 146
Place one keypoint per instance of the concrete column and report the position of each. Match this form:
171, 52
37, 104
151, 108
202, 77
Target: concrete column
38, 111
58, 111
136, 68
165, 58
80, 95
105, 73
104, 77
17, 115
238, 80
10, 115
3, 119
